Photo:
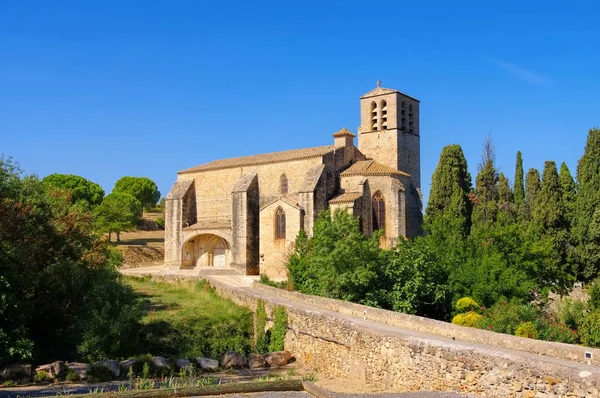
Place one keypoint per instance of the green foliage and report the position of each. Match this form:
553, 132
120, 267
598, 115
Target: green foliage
81, 190
269, 282
97, 374
118, 212
466, 304
160, 222
572, 312
568, 191
532, 187
507, 316
142, 188
594, 295
55, 276
188, 320
72, 376
527, 329
279, 329
41, 377
262, 338
470, 319
590, 330
519, 187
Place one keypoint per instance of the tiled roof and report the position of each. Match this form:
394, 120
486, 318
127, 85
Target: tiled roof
371, 168
179, 189
274, 157
346, 197
343, 132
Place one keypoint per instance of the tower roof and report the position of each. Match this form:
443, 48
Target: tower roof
342, 133
379, 91
371, 168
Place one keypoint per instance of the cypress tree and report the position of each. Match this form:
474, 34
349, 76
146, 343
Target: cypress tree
548, 213
505, 194
519, 189
486, 191
567, 188
587, 203
532, 187
449, 194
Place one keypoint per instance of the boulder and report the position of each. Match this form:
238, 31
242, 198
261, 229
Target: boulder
256, 361
210, 365
234, 360
15, 370
52, 369
183, 363
80, 368
161, 362
277, 359
112, 365
127, 364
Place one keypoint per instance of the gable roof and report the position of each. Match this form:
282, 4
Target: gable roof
274, 157
371, 168
382, 91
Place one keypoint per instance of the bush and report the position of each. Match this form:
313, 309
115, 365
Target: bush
551, 330
506, 317
41, 377
466, 304
262, 338
279, 330
590, 330
594, 295
571, 312
72, 376
470, 319
144, 367
160, 222
264, 279
98, 374
527, 330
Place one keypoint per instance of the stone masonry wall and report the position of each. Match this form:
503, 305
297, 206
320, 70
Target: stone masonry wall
406, 359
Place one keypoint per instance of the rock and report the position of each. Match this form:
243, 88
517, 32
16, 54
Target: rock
234, 360
112, 365
161, 362
517, 386
15, 370
208, 364
277, 359
80, 368
127, 364
256, 361
52, 369
182, 363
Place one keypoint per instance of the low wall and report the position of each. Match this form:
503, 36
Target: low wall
409, 353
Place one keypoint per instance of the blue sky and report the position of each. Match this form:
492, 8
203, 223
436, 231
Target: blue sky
146, 88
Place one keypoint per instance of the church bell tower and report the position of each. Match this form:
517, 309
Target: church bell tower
389, 130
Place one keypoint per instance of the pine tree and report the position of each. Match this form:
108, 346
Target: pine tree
587, 204
567, 188
519, 189
532, 187
449, 194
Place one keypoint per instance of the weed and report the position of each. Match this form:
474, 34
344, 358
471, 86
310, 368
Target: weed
309, 377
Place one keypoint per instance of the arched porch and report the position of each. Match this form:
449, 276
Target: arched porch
206, 250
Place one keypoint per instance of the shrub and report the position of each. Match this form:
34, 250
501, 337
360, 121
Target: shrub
279, 330
160, 222
466, 304
594, 295
10, 383
98, 374
470, 319
527, 330
551, 330
506, 317
42, 377
590, 330
72, 376
571, 312
269, 282
262, 338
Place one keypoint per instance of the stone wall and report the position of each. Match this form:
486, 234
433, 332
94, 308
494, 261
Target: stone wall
407, 353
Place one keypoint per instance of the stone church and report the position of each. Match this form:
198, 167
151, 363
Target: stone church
243, 214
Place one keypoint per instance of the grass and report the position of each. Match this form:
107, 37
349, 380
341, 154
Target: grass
188, 319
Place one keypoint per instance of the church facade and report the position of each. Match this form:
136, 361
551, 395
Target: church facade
244, 213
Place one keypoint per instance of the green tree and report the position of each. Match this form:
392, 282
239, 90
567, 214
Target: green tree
449, 206
567, 187
118, 212
587, 203
519, 188
505, 194
532, 187
54, 274
142, 188
81, 190
486, 187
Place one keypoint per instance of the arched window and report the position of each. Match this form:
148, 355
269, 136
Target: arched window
383, 114
378, 212
279, 223
373, 115
283, 184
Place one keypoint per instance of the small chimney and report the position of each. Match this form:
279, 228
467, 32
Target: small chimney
343, 138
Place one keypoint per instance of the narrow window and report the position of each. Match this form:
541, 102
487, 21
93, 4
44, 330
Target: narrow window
410, 118
378, 212
279, 223
283, 184
373, 115
383, 115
